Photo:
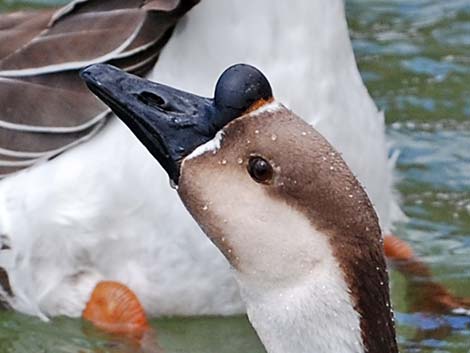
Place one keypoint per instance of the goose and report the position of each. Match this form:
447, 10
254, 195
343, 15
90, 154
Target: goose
81, 201
276, 199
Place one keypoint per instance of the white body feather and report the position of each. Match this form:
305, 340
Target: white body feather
105, 209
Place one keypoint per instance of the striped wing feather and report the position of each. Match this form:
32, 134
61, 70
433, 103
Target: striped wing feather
45, 109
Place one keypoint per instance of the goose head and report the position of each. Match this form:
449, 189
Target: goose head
277, 200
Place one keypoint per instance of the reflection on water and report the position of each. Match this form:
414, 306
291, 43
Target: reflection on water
415, 58
19, 333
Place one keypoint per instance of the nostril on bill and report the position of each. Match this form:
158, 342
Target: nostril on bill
152, 99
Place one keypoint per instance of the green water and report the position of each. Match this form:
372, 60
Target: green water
414, 56
10, 5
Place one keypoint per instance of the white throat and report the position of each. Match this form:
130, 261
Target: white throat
302, 305
316, 315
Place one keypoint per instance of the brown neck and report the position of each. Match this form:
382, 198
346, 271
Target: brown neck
338, 206
366, 275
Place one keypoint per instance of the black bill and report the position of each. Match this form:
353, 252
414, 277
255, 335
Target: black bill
172, 123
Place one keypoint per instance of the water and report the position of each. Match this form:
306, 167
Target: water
414, 56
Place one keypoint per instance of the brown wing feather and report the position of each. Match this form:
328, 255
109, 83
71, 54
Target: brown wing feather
45, 109
19, 28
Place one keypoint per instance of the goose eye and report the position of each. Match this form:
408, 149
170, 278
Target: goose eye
260, 170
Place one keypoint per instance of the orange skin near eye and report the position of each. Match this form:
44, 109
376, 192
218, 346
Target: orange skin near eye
114, 308
258, 104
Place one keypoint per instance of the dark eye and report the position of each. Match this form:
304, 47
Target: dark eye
260, 170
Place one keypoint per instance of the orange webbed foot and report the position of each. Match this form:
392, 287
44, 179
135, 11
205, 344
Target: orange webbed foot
114, 308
